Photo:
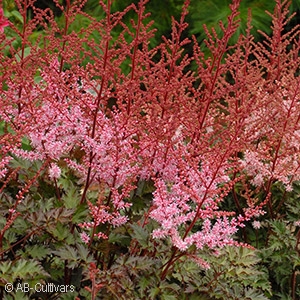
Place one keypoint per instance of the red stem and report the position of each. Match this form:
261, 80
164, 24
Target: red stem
98, 101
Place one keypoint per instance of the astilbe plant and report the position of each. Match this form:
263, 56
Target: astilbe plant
118, 114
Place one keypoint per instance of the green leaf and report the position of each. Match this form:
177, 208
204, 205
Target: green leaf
154, 292
169, 297
144, 283
19, 295
38, 251
83, 253
122, 239
71, 198
25, 54
2, 127
254, 295
23, 269
5, 266
140, 234
26, 144
17, 15
70, 254
61, 232
80, 214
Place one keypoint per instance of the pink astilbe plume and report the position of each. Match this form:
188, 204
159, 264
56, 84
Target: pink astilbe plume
198, 126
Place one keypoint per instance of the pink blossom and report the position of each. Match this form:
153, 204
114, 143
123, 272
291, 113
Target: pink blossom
3, 172
101, 235
297, 223
84, 237
201, 262
12, 211
256, 224
54, 171
119, 220
196, 135
3, 163
3, 21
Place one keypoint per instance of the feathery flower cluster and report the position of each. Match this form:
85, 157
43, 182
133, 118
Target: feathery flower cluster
194, 134
54, 171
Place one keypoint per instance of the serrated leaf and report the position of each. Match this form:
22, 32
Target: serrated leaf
72, 197
38, 251
144, 283
119, 238
81, 213
62, 214
19, 295
83, 252
5, 266
154, 292
25, 269
11, 237
61, 232
70, 254
254, 295
140, 234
